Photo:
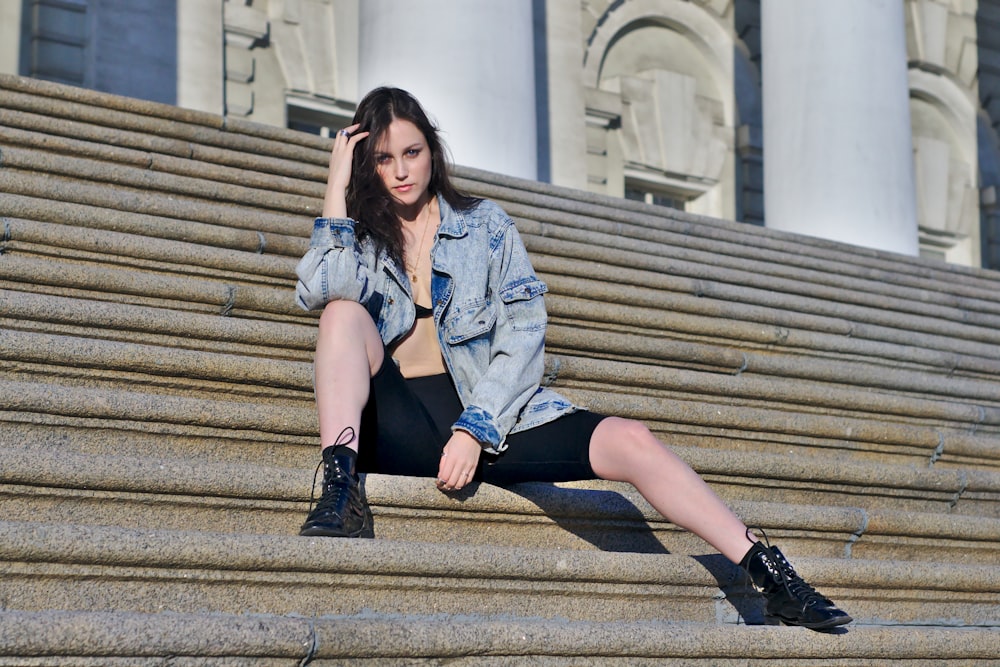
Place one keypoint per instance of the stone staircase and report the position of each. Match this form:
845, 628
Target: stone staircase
158, 435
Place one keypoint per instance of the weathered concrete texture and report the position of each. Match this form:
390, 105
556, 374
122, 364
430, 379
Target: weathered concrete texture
171, 157
158, 433
144, 252
159, 227
112, 636
793, 292
101, 568
871, 439
729, 239
231, 299
104, 568
189, 495
839, 397
133, 322
110, 358
652, 288
221, 296
571, 215
249, 497
432, 639
146, 178
89, 402
151, 119
738, 475
140, 201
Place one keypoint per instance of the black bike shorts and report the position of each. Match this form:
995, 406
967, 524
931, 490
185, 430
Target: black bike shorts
407, 423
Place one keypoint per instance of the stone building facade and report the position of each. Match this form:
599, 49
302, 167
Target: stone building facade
659, 100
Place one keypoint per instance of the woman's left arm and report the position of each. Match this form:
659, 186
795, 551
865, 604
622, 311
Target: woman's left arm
517, 345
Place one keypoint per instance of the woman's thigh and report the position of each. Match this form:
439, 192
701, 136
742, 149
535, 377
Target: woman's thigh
406, 423
558, 451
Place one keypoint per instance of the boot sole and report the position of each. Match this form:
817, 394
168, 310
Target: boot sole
825, 625
367, 529
320, 532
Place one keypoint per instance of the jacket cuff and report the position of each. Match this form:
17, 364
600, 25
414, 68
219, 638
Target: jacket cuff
482, 426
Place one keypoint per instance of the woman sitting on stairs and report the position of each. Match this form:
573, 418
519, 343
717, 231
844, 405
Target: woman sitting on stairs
430, 356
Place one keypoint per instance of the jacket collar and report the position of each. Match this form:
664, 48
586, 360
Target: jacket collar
452, 224
452, 221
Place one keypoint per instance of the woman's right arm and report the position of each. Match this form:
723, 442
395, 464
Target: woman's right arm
332, 268
339, 176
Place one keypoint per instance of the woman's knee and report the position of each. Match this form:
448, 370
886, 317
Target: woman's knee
624, 440
347, 323
347, 318
628, 432
339, 313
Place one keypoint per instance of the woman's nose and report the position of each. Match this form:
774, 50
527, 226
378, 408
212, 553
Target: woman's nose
401, 171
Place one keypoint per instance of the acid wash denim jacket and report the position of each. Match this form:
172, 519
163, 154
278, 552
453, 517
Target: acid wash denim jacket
488, 310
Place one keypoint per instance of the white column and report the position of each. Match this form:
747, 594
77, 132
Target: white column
838, 154
10, 37
471, 65
200, 77
567, 107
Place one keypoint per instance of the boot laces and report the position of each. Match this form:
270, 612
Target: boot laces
779, 567
332, 474
796, 584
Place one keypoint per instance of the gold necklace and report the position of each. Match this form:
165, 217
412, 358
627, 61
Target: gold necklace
420, 251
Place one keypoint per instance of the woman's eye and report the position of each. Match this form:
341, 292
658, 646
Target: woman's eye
413, 152
382, 159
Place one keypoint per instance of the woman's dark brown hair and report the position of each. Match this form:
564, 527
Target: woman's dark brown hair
368, 201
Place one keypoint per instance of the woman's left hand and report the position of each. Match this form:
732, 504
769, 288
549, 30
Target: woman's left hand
458, 461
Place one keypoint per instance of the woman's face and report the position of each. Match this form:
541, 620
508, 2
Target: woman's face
403, 161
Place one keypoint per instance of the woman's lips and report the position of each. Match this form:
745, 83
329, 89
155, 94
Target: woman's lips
404, 188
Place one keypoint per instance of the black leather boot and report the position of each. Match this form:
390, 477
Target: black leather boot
789, 597
342, 510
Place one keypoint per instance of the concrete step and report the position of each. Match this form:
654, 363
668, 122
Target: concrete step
231, 232
256, 423
975, 318
976, 308
98, 568
50, 338
561, 234
129, 424
228, 297
159, 128
957, 329
86, 639
772, 376
53, 485
186, 160
761, 320
147, 325
156, 376
647, 386
245, 147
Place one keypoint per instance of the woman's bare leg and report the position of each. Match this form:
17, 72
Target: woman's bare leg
626, 451
349, 352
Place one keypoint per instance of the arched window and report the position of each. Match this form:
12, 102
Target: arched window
660, 106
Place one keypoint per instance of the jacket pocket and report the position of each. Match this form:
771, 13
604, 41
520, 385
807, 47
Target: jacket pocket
469, 320
523, 304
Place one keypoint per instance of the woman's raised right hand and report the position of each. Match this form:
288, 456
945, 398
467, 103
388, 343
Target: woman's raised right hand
341, 159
